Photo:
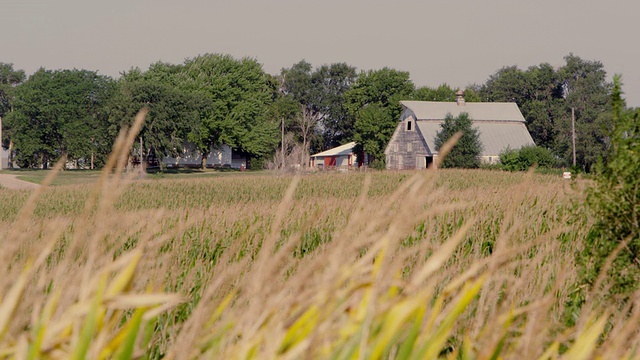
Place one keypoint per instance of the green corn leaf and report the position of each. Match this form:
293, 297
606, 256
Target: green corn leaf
11, 300
409, 342
300, 329
127, 346
433, 344
40, 328
392, 325
587, 341
89, 328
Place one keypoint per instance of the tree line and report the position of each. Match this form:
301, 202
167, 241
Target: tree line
215, 99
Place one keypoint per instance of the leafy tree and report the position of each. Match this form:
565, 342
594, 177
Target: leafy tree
465, 154
59, 113
538, 93
209, 100
508, 84
444, 93
546, 96
382, 90
238, 92
587, 91
299, 86
9, 80
334, 81
283, 110
321, 94
173, 111
615, 201
374, 130
522, 159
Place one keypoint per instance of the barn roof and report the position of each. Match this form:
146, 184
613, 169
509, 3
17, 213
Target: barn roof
435, 110
345, 149
495, 136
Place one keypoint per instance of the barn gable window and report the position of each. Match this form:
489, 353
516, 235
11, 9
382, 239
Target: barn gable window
409, 125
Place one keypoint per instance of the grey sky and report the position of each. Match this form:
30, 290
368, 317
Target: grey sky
454, 42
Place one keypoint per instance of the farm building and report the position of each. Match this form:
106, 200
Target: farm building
341, 157
500, 126
222, 157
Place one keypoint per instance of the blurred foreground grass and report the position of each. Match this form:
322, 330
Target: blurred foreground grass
403, 265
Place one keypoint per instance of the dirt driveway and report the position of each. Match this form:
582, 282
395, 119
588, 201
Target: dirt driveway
9, 181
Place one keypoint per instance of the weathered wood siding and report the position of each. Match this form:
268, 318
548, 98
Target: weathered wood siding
407, 149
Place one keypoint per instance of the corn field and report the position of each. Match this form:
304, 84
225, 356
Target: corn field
456, 264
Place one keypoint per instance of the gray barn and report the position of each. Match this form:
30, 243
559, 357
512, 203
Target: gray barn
500, 126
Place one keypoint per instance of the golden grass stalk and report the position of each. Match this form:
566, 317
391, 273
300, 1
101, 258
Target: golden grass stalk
383, 265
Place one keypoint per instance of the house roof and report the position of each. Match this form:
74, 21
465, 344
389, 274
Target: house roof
435, 110
345, 149
495, 136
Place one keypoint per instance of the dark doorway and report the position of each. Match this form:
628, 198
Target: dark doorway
429, 161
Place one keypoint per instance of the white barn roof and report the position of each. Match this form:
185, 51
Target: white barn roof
434, 110
345, 149
500, 125
495, 136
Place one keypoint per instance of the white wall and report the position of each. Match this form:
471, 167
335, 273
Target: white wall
495, 159
4, 162
192, 157
318, 161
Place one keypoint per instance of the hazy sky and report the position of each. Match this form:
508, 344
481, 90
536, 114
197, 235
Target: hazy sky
454, 42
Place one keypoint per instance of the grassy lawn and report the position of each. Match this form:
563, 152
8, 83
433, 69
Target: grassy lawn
70, 177
78, 177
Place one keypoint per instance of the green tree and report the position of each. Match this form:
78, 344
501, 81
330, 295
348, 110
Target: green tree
374, 130
522, 159
382, 90
334, 81
546, 96
282, 110
444, 93
209, 100
9, 80
586, 90
321, 94
298, 85
538, 93
59, 113
615, 201
173, 110
466, 153
238, 92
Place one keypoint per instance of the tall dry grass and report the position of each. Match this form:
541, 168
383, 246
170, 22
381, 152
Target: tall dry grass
408, 265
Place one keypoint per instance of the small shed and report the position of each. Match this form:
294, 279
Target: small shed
341, 157
412, 145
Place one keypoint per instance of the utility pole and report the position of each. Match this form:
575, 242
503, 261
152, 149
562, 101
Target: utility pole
282, 144
141, 168
92, 144
282, 91
573, 134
